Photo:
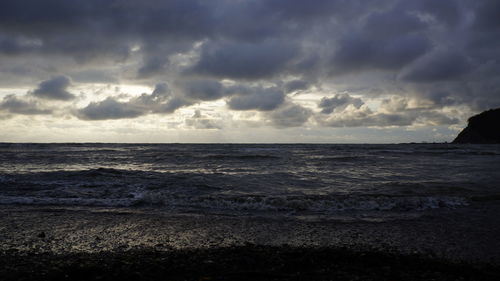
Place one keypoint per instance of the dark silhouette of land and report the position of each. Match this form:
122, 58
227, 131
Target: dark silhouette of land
483, 128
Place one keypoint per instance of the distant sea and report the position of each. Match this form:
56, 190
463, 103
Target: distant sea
293, 181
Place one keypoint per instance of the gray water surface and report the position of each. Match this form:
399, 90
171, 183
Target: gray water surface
274, 180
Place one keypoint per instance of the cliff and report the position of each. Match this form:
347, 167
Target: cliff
482, 128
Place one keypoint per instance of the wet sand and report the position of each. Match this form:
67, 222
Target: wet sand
84, 243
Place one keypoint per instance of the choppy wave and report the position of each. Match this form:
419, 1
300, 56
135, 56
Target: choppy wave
97, 202
243, 156
280, 204
322, 204
324, 179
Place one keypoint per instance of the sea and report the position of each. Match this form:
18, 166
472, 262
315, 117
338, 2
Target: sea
279, 181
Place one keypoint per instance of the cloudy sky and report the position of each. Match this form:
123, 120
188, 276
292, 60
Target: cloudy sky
341, 71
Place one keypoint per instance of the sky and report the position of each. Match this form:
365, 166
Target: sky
337, 71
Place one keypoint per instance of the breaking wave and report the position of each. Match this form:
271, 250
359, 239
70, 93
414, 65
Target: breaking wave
280, 204
250, 179
321, 204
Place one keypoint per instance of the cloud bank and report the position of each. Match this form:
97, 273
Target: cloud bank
332, 63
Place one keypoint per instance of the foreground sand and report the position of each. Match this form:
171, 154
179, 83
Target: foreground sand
56, 243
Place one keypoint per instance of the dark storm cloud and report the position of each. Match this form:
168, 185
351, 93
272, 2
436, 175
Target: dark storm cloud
257, 98
487, 15
387, 40
367, 118
373, 120
448, 12
160, 101
153, 66
13, 104
296, 85
109, 109
163, 101
339, 101
244, 60
93, 30
13, 46
54, 89
172, 105
393, 22
442, 65
202, 89
161, 89
357, 52
93, 76
443, 98
443, 51
88, 29
290, 115
160, 94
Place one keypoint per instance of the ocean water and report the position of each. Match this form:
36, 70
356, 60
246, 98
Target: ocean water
273, 180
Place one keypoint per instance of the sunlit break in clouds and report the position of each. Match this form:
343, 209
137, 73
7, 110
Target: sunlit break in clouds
246, 71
